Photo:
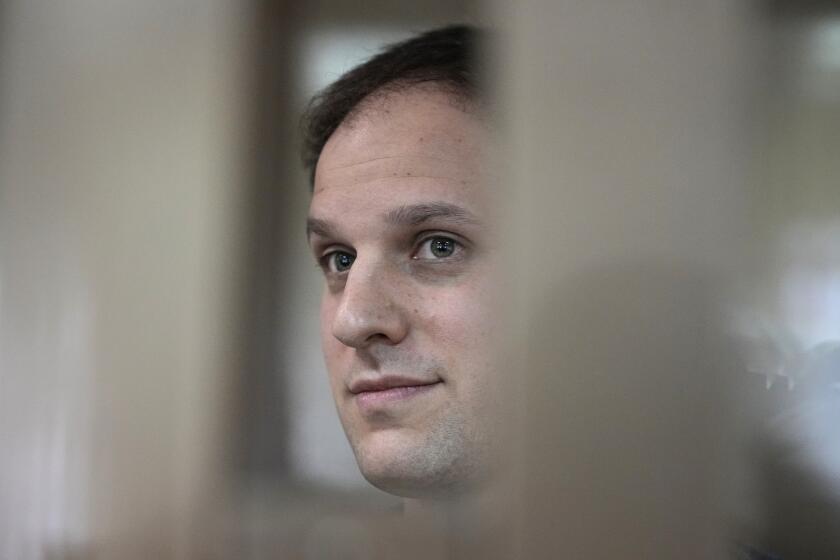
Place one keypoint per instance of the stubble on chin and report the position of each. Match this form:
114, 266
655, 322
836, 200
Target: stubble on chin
440, 461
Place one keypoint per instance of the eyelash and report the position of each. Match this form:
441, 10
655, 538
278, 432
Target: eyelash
327, 261
456, 251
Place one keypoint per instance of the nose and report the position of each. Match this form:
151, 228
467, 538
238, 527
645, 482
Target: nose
371, 307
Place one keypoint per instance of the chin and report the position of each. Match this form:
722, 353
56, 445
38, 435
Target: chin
429, 486
413, 470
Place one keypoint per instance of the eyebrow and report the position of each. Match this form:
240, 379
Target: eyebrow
320, 227
416, 214
407, 215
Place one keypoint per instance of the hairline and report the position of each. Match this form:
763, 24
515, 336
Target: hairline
374, 103
459, 97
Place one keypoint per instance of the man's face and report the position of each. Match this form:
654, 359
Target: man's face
400, 223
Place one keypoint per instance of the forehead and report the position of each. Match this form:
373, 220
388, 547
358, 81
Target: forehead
406, 146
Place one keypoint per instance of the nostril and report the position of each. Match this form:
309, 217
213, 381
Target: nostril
379, 337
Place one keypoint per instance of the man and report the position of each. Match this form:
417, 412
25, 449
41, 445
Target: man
401, 223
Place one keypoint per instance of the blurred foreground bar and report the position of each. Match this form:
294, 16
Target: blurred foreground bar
120, 247
627, 174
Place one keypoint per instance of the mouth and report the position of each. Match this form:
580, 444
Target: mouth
372, 394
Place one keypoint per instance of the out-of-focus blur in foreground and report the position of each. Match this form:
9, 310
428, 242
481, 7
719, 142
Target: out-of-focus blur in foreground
671, 176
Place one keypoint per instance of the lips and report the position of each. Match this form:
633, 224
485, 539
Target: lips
383, 393
388, 382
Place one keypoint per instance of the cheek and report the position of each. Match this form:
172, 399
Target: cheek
460, 321
330, 346
326, 316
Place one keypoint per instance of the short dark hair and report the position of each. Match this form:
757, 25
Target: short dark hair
446, 57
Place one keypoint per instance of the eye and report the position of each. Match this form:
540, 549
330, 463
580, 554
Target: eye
338, 261
437, 247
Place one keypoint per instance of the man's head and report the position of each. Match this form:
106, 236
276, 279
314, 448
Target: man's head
401, 221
